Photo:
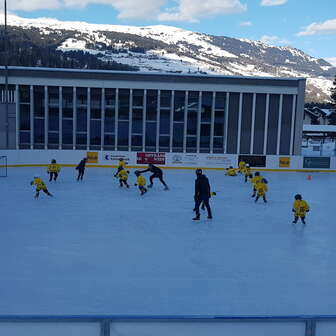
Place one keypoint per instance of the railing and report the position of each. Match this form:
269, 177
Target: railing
109, 325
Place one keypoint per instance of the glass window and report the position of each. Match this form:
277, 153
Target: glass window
272, 128
81, 119
205, 136
233, 117
110, 98
220, 101
246, 123
137, 140
81, 96
151, 134
39, 101
192, 122
24, 91
286, 124
191, 142
138, 98
95, 132
164, 141
39, 131
24, 137
95, 103
109, 139
218, 144
193, 99
151, 105
165, 98
124, 96
24, 117
137, 121
67, 132
53, 138
53, 96
179, 105
53, 119
206, 107
259, 124
123, 133
109, 120
81, 138
178, 136
164, 122
67, 102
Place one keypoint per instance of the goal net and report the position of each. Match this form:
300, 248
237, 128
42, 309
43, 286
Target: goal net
3, 166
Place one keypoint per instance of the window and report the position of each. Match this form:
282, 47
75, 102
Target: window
81, 96
246, 123
124, 96
24, 117
179, 106
164, 121
109, 120
178, 137
286, 124
122, 133
137, 121
109, 139
138, 98
67, 132
95, 132
39, 101
53, 120
24, 92
150, 134
81, 120
165, 99
53, 96
205, 137
81, 138
259, 124
95, 103
67, 102
39, 131
272, 127
232, 133
151, 105
110, 98
206, 107
53, 138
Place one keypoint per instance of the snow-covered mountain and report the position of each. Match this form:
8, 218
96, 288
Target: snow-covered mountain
170, 49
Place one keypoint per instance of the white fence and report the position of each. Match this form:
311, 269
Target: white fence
167, 325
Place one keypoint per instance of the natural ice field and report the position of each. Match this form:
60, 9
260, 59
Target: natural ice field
97, 249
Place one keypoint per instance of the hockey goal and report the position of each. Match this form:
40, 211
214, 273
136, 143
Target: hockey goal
3, 166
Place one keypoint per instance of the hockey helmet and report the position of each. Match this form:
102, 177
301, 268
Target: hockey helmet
298, 197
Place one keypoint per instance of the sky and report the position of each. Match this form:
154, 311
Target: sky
309, 25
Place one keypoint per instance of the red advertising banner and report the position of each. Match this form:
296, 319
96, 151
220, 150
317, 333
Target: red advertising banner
154, 158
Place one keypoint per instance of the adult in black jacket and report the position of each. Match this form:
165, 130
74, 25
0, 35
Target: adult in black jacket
202, 193
157, 173
81, 169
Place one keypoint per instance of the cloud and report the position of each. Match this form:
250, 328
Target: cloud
326, 27
245, 24
331, 60
273, 2
127, 9
274, 40
193, 10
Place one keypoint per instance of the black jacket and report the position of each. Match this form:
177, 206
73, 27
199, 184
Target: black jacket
153, 169
81, 165
202, 188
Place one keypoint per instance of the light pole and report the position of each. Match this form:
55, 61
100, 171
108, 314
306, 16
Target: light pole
6, 75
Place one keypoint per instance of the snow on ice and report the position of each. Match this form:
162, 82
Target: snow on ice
98, 249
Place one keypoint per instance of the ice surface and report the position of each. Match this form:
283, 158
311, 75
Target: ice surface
97, 249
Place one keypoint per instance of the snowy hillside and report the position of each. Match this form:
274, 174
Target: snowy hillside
170, 49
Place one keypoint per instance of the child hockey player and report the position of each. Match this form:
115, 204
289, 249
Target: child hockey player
81, 169
300, 208
40, 185
261, 189
157, 173
121, 165
231, 171
241, 167
53, 170
141, 182
247, 171
123, 177
254, 180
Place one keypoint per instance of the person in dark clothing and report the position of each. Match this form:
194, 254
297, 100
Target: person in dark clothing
81, 169
157, 173
202, 194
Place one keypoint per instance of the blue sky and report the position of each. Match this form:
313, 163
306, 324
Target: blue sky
308, 25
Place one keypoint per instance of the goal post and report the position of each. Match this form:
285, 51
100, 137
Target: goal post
3, 166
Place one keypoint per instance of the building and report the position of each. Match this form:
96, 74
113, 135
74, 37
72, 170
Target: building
317, 116
131, 111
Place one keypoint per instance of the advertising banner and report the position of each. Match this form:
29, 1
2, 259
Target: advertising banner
183, 159
284, 162
113, 158
218, 160
154, 158
253, 160
92, 157
316, 162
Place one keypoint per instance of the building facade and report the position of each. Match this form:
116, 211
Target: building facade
131, 111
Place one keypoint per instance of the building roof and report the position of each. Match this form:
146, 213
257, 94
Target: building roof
319, 128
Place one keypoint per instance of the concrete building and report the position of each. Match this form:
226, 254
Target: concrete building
133, 111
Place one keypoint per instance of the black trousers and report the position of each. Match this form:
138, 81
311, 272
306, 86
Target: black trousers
198, 203
80, 174
123, 182
142, 189
53, 175
296, 218
159, 176
264, 198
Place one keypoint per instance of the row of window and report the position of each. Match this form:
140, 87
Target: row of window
161, 120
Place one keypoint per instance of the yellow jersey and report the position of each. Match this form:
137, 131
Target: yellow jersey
300, 207
141, 181
54, 168
123, 175
40, 185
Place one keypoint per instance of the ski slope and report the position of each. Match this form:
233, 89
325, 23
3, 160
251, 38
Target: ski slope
97, 249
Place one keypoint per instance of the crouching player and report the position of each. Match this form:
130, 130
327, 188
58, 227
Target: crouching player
261, 189
300, 208
141, 182
40, 185
231, 171
247, 172
123, 177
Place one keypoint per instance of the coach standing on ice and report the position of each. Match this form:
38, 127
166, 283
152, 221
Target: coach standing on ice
202, 193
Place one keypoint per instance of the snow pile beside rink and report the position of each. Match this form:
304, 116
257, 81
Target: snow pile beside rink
97, 249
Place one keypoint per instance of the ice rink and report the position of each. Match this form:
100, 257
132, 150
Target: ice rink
97, 249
